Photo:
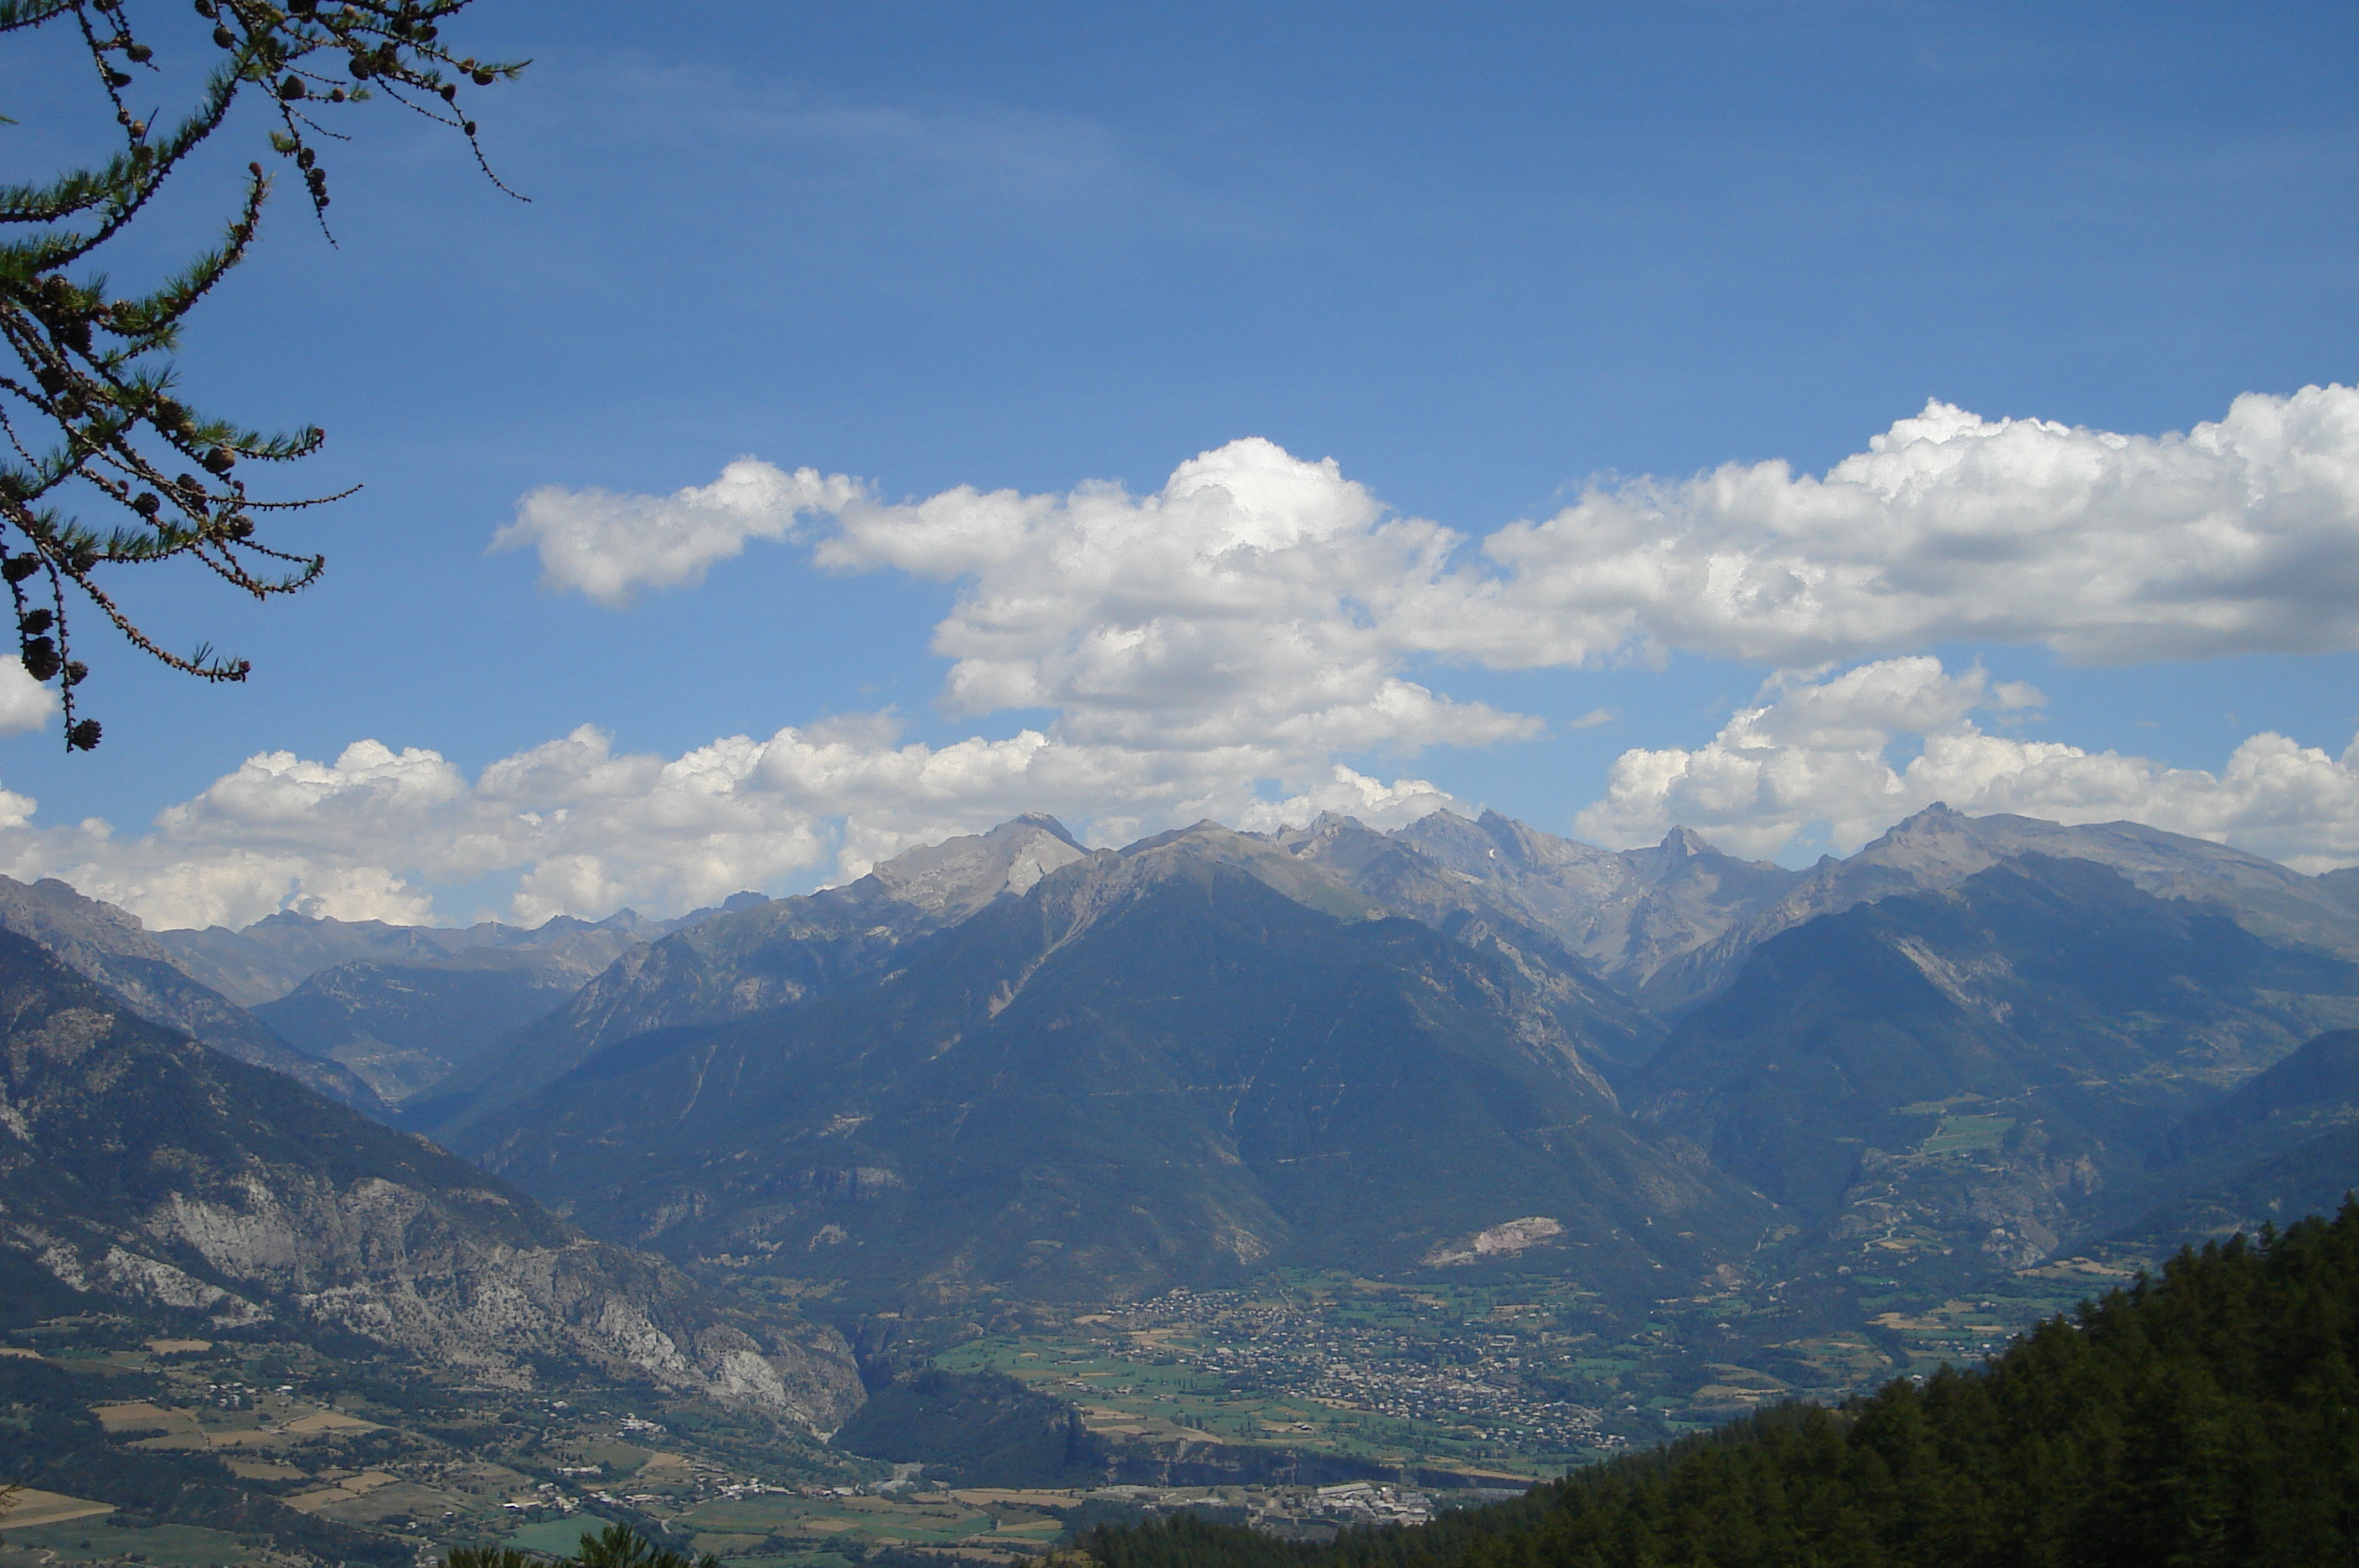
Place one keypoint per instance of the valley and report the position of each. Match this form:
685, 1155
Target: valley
1322, 1177
1289, 1403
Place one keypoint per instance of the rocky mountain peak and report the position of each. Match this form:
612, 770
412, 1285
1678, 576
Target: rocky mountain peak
1324, 828
1042, 821
768, 953
956, 877
1209, 847
1345, 846
1935, 835
1526, 845
1939, 848
1173, 1060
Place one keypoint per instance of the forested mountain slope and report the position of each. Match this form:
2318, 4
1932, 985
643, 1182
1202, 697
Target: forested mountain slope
1964, 1069
1172, 1064
2286, 1143
112, 948
762, 957
2209, 1416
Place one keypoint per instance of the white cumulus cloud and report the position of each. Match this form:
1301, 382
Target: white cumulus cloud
25, 703
1250, 602
609, 547
1815, 757
2238, 536
1253, 572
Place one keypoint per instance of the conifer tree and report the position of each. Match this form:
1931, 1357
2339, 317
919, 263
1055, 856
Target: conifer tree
92, 425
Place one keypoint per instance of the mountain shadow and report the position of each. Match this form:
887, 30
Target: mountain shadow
1964, 1070
2285, 1144
1181, 1061
741, 960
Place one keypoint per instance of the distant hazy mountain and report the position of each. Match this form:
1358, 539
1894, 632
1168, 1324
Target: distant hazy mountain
1488, 914
2342, 887
1174, 1062
405, 1028
136, 1167
1939, 848
271, 957
1007, 1062
772, 953
2313, 1091
1966, 1069
1627, 912
111, 947
405, 1006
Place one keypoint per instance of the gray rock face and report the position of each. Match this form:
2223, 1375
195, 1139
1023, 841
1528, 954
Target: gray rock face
1624, 914
1483, 914
137, 1167
765, 956
109, 946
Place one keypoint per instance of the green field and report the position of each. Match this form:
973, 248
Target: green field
557, 1538
163, 1545
1960, 1135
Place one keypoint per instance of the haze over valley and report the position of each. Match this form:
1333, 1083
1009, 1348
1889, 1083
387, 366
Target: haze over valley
909, 1075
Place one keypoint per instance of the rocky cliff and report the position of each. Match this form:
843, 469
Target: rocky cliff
138, 1167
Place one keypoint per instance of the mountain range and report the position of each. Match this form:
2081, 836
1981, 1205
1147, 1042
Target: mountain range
1162, 1064
1010, 1063
110, 949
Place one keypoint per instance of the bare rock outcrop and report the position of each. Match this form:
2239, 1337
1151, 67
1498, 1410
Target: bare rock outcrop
137, 1166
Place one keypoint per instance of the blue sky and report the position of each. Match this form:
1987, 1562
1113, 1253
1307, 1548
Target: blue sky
1486, 258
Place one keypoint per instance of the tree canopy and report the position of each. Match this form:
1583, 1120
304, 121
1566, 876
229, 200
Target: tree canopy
93, 421
616, 1546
